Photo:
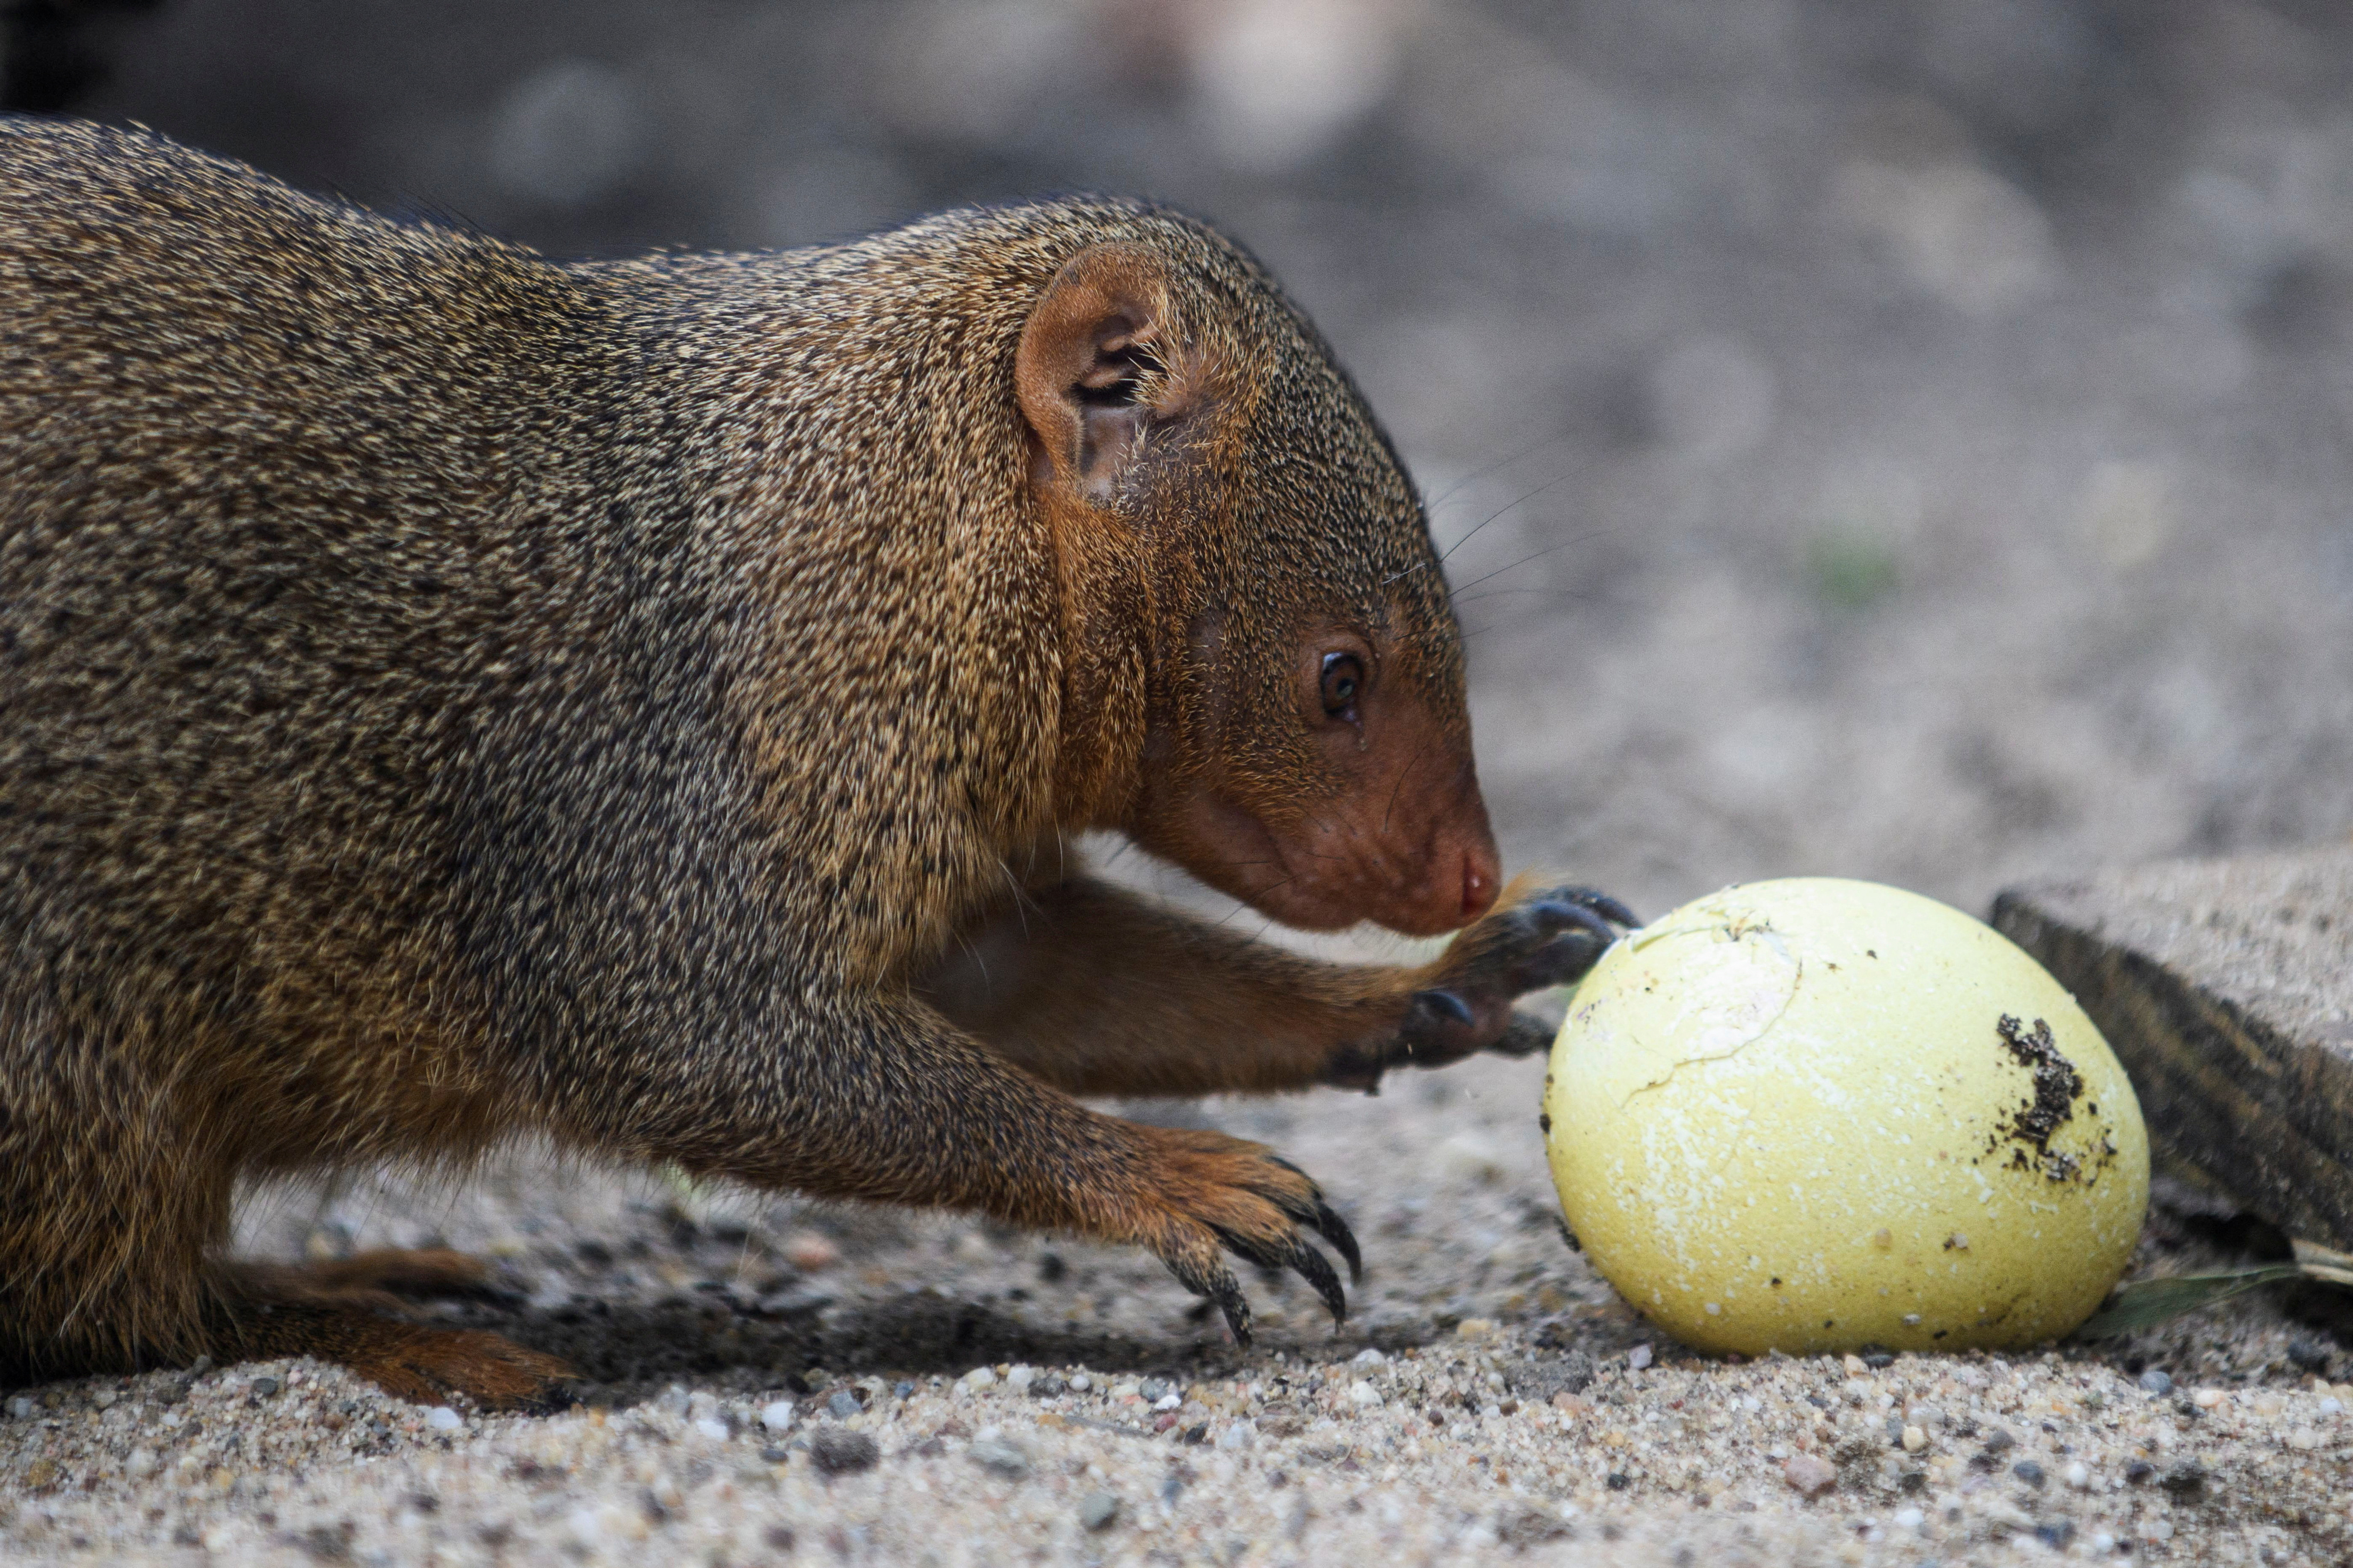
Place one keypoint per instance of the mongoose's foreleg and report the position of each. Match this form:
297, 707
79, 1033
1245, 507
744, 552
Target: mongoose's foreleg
880, 1097
1098, 991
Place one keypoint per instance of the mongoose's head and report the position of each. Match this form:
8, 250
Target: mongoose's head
1267, 636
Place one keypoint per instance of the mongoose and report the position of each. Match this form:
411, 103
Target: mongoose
446, 694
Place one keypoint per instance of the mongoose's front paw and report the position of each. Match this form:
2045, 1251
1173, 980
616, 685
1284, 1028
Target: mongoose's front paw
1216, 1194
1465, 1007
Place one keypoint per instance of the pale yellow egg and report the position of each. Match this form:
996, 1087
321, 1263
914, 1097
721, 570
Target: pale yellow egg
1817, 1115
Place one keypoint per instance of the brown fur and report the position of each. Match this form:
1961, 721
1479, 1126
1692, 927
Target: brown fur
446, 694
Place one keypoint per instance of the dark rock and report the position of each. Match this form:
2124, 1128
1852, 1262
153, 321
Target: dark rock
1524, 1525
839, 1451
2185, 1480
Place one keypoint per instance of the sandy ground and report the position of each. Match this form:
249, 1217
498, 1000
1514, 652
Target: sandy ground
1490, 1399
1902, 441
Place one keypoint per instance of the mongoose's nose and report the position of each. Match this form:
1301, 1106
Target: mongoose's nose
1481, 872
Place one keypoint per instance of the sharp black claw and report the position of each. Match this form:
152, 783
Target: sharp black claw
1219, 1284
1446, 1005
1335, 1229
1557, 914
1602, 904
1236, 1307
1310, 1267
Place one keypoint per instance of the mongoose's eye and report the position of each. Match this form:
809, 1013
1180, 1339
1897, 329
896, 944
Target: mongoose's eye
1344, 678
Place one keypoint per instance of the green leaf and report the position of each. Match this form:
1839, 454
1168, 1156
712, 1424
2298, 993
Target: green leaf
2144, 1303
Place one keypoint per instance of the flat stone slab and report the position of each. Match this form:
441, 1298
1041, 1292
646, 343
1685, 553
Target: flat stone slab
2226, 988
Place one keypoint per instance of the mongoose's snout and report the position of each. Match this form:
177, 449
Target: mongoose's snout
1396, 833
1408, 848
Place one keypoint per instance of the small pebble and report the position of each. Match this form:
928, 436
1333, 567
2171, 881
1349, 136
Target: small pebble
1098, 1510
2078, 1475
1364, 1393
776, 1414
839, 1451
1369, 1356
1914, 1439
1006, 1458
2156, 1383
841, 1404
2208, 1399
1639, 1357
441, 1418
2030, 1472
1020, 1379
809, 1252
1081, 1383
1810, 1474
1168, 1402
1155, 1389
260, 1388
710, 1426
1907, 1519
978, 1378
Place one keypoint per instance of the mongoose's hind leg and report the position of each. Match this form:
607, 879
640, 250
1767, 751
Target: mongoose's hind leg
336, 1311
425, 1274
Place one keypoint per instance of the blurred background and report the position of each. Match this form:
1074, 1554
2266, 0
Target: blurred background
1899, 439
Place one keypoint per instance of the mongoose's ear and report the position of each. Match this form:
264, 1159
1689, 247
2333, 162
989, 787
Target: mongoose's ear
1097, 365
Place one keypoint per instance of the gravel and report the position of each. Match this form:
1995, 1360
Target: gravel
926, 1393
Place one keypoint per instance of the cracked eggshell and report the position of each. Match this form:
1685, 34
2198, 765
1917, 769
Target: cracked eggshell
1814, 1115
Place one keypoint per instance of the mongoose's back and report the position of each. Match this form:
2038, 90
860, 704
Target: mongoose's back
257, 450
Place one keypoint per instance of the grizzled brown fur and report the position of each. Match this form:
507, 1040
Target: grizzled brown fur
446, 694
